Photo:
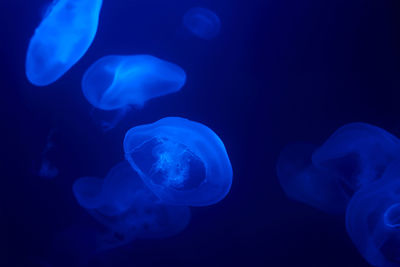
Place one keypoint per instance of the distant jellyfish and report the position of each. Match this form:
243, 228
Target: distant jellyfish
88, 192
358, 153
303, 182
61, 39
181, 161
202, 22
373, 219
116, 82
129, 210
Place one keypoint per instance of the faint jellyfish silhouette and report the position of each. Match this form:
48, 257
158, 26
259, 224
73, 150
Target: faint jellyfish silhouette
88, 191
120, 82
181, 161
62, 38
373, 219
47, 170
303, 182
358, 153
202, 22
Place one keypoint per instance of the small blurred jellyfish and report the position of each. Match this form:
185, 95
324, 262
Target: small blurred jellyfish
88, 192
181, 161
358, 153
119, 82
303, 182
202, 22
373, 219
47, 170
62, 38
129, 209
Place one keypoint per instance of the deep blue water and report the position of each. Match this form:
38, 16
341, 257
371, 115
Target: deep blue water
279, 72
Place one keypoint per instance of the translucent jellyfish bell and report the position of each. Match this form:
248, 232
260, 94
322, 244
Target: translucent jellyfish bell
61, 39
373, 219
115, 82
88, 192
130, 210
305, 183
202, 22
181, 161
358, 153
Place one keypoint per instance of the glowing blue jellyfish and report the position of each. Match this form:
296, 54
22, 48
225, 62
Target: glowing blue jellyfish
88, 192
131, 211
358, 153
305, 183
115, 82
181, 161
202, 22
373, 219
61, 39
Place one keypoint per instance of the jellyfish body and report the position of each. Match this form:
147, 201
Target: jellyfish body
88, 192
181, 161
358, 153
373, 219
202, 22
115, 82
131, 211
61, 39
303, 182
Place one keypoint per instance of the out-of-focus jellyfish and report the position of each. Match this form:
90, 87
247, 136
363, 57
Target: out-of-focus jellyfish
115, 82
88, 192
61, 39
131, 211
373, 219
303, 182
358, 153
181, 161
202, 22
47, 170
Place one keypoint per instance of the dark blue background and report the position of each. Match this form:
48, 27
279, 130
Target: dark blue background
280, 71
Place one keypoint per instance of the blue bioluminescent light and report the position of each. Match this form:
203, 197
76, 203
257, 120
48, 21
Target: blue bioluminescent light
115, 82
202, 22
88, 192
61, 39
181, 161
373, 219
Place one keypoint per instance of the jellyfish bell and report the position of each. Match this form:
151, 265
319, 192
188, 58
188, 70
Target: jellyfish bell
114, 82
202, 23
88, 192
357, 152
62, 38
303, 182
181, 161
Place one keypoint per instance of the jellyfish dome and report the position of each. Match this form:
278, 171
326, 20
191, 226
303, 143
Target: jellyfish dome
303, 182
202, 22
88, 192
358, 153
130, 210
115, 82
373, 219
61, 39
181, 161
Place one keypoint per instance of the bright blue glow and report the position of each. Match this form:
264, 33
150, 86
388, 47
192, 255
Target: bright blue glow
358, 153
181, 161
61, 39
88, 192
373, 219
131, 211
114, 82
305, 183
202, 22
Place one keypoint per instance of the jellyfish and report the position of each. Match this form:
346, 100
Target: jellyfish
373, 219
303, 182
129, 210
202, 22
88, 192
117, 82
62, 38
358, 153
181, 161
